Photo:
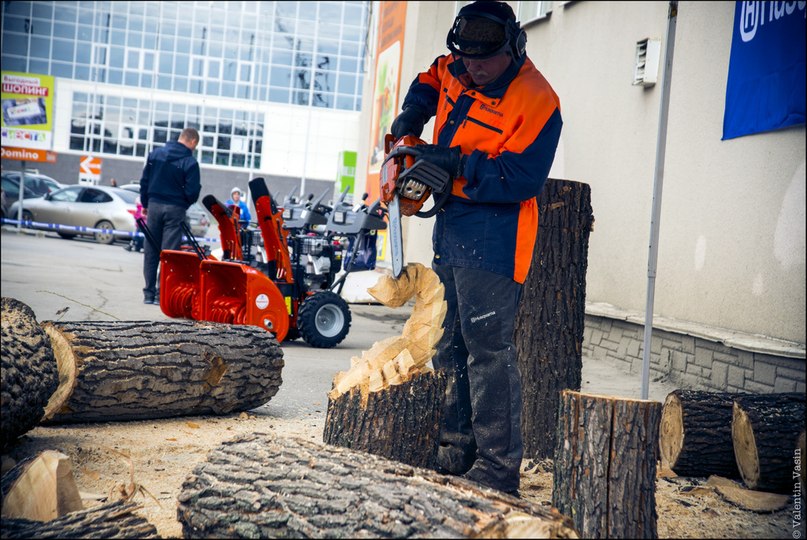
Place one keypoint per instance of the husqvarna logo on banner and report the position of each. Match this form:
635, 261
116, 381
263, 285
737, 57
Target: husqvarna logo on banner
766, 80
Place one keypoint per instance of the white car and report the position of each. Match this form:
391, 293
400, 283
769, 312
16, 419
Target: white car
97, 207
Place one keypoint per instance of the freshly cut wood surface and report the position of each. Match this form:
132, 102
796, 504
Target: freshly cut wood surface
398, 358
129, 370
265, 486
41, 488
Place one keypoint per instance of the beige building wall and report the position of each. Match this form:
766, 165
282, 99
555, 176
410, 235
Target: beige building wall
732, 228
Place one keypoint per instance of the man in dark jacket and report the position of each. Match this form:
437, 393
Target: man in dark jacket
497, 125
169, 185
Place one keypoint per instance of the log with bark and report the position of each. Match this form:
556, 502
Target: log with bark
605, 465
389, 402
695, 435
111, 520
263, 486
551, 316
765, 429
28, 371
135, 370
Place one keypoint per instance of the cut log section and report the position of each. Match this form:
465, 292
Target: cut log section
765, 429
401, 422
605, 465
551, 315
28, 371
261, 486
110, 520
695, 435
137, 370
389, 402
40, 488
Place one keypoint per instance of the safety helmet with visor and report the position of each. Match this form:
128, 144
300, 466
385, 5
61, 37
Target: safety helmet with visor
485, 29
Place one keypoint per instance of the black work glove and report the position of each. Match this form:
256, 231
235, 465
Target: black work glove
450, 160
409, 122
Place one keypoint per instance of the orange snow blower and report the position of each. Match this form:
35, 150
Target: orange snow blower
272, 293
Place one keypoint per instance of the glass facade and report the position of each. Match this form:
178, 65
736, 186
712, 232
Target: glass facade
296, 53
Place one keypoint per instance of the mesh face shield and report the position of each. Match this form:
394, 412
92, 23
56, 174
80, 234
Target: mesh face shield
477, 37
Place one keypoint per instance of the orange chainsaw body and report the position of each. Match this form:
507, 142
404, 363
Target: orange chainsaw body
410, 202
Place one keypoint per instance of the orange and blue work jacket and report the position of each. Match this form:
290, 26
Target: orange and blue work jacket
509, 130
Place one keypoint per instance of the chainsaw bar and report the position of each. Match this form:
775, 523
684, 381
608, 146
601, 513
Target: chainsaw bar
395, 240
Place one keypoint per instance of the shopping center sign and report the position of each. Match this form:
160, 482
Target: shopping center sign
27, 101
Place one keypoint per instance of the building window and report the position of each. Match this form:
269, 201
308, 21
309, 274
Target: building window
531, 11
133, 127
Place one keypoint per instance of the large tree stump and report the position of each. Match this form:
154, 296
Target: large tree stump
135, 370
28, 371
605, 465
111, 520
765, 429
261, 486
695, 435
390, 402
551, 317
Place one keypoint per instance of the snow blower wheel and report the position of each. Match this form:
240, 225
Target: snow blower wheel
323, 320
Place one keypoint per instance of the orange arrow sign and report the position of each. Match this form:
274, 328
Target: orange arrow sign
90, 165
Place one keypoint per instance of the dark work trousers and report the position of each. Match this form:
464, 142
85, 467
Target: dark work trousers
165, 223
481, 431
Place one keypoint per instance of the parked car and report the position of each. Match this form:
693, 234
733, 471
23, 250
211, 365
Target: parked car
196, 217
98, 207
36, 185
131, 187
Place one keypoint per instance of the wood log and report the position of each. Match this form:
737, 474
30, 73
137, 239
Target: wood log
551, 316
390, 402
695, 435
605, 465
111, 520
28, 371
137, 370
262, 486
40, 488
401, 422
765, 429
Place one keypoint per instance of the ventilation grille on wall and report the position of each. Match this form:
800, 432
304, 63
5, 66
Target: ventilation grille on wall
645, 72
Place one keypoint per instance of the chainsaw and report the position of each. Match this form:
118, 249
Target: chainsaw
406, 184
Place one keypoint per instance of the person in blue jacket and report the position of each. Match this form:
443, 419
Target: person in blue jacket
235, 200
170, 183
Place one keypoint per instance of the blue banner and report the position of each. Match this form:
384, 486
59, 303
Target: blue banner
766, 82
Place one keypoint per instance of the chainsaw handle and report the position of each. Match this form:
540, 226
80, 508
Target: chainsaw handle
389, 141
439, 201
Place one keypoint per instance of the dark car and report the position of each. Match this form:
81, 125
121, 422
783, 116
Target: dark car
36, 185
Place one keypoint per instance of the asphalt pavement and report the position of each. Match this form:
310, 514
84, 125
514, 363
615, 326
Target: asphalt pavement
79, 279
